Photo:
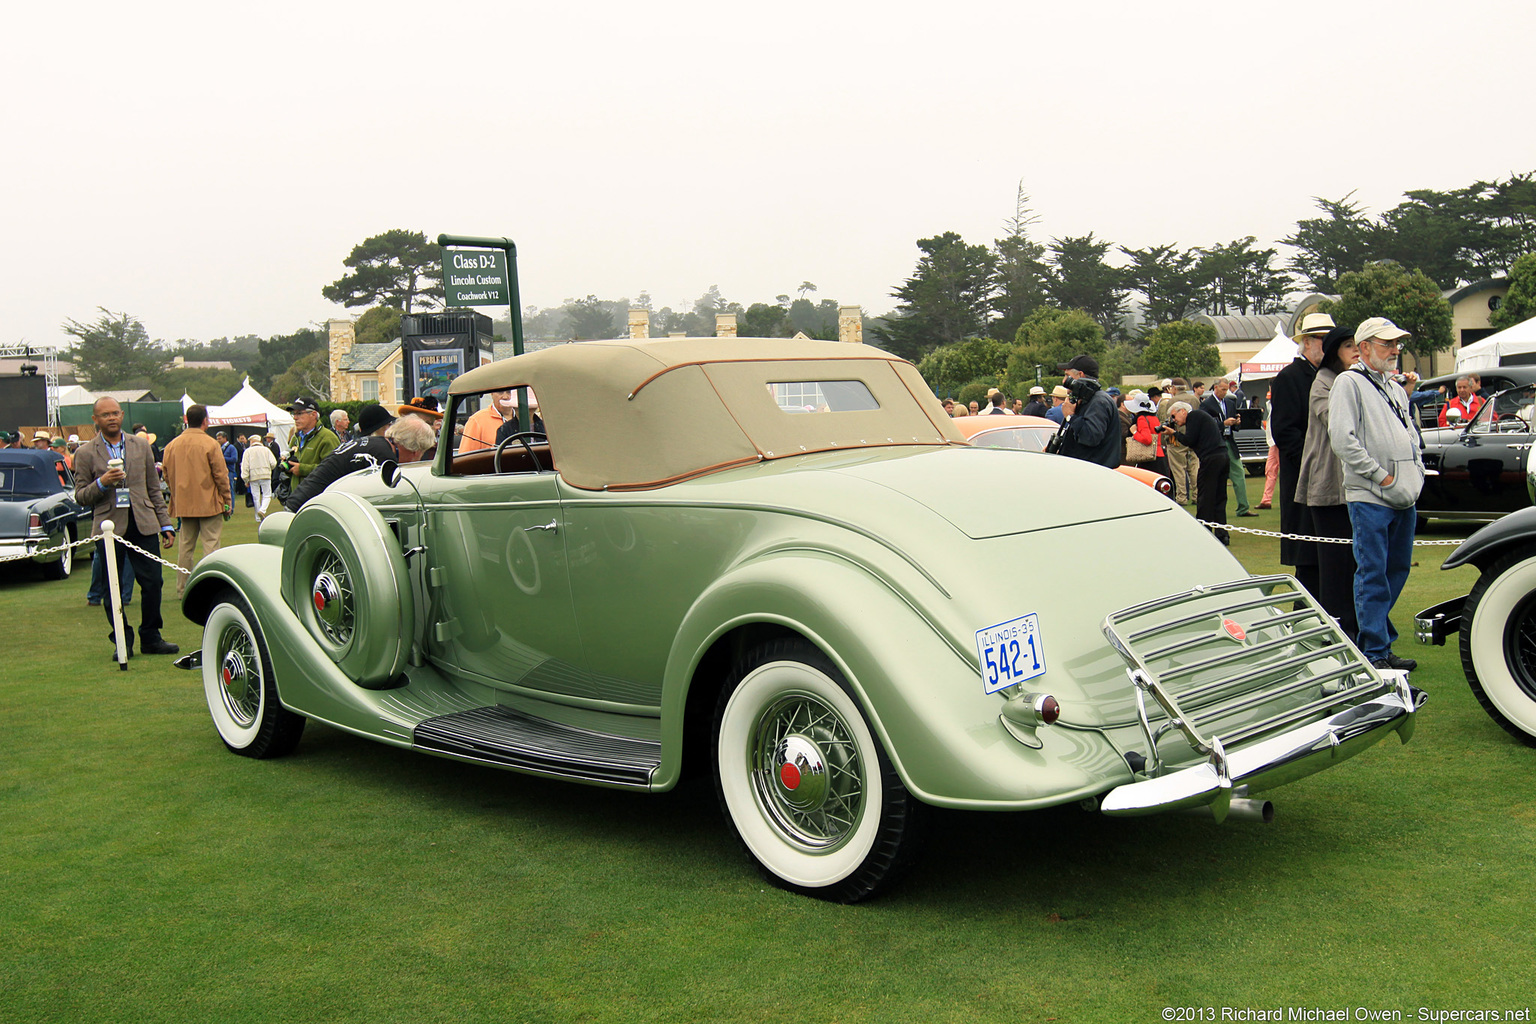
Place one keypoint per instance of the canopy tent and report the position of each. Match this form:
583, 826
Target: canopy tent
1514, 346
1271, 359
249, 408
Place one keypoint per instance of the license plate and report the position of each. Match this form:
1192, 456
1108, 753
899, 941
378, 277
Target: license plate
1010, 652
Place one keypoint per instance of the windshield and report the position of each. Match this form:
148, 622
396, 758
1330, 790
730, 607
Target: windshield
1506, 412
1027, 439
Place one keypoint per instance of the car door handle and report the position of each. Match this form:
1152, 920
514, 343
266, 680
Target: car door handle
552, 526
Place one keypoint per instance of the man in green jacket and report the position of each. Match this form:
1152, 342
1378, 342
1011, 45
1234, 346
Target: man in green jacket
310, 443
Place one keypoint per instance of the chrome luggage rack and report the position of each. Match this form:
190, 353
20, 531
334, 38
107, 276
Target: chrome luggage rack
1181, 650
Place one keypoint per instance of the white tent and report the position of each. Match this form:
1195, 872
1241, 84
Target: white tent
1271, 359
74, 394
1495, 350
249, 407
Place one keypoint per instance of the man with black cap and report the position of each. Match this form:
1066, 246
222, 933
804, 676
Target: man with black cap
310, 444
1093, 430
350, 456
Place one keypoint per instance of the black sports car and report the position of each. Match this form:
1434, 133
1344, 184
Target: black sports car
38, 508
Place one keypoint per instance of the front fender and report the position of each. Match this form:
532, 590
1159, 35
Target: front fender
922, 694
307, 680
1494, 539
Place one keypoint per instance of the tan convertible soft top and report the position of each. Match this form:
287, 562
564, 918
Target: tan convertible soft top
640, 414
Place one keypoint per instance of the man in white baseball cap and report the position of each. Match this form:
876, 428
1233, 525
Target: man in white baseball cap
1371, 430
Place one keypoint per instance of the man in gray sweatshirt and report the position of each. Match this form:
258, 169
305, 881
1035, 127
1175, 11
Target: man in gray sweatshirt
1370, 429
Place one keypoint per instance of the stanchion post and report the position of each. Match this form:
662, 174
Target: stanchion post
114, 595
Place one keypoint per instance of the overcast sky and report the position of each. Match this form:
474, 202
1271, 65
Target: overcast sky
207, 167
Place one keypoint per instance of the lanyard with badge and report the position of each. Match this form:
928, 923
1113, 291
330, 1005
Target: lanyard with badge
121, 495
1402, 417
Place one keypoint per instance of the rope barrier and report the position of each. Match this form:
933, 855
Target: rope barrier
1317, 540
87, 542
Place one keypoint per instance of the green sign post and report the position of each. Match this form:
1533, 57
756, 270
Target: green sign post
486, 279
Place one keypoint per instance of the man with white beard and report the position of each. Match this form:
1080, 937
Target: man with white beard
1370, 429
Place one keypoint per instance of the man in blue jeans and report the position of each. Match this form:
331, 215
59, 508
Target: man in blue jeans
1370, 428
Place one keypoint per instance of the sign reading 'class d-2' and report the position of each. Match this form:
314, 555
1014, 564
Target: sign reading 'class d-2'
475, 278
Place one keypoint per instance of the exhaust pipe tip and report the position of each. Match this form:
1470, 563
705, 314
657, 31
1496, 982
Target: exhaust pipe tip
1239, 809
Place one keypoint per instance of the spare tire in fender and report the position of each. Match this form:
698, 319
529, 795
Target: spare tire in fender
345, 577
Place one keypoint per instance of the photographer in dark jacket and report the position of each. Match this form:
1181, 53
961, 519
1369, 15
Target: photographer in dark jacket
1092, 432
349, 457
1198, 431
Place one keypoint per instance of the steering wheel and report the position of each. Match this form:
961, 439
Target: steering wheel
526, 439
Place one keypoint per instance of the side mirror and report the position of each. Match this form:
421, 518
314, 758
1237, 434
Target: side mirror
1451, 416
389, 471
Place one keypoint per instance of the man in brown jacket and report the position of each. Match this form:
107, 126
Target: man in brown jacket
199, 480
130, 496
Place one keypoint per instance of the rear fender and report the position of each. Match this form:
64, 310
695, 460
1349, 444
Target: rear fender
922, 694
1493, 540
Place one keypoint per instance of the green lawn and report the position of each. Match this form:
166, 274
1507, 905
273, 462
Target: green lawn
148, 875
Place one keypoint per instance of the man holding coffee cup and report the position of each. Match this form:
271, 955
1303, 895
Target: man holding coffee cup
115, 477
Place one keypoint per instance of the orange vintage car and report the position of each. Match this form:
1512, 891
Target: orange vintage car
1030, 433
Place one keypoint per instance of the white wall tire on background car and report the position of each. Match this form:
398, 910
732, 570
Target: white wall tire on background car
237, 681
1498, 642
61, 567
803, 781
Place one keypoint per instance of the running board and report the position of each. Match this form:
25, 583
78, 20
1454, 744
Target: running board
500, 736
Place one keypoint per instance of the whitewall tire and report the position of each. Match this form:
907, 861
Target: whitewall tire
1498, 642
803, 781
238, 684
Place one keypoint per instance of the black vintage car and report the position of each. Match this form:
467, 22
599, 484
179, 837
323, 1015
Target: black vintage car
1430, 396
1496, 622
38, 508
1477, 470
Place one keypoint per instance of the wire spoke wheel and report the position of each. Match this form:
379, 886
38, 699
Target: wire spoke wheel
807, 772
239, 684
333, 599
239, 668
802, 780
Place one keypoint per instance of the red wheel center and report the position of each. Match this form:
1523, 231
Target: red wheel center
790, 776
228, 676
319, 601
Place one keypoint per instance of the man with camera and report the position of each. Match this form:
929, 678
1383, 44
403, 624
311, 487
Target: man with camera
1198, 431
1092, 431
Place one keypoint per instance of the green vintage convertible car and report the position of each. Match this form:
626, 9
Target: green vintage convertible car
778, 562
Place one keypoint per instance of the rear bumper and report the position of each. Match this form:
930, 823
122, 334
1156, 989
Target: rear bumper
1274, 761
1438, 623
14, 546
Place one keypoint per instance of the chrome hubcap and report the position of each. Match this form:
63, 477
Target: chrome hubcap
240, 675
806, 773
331, 596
